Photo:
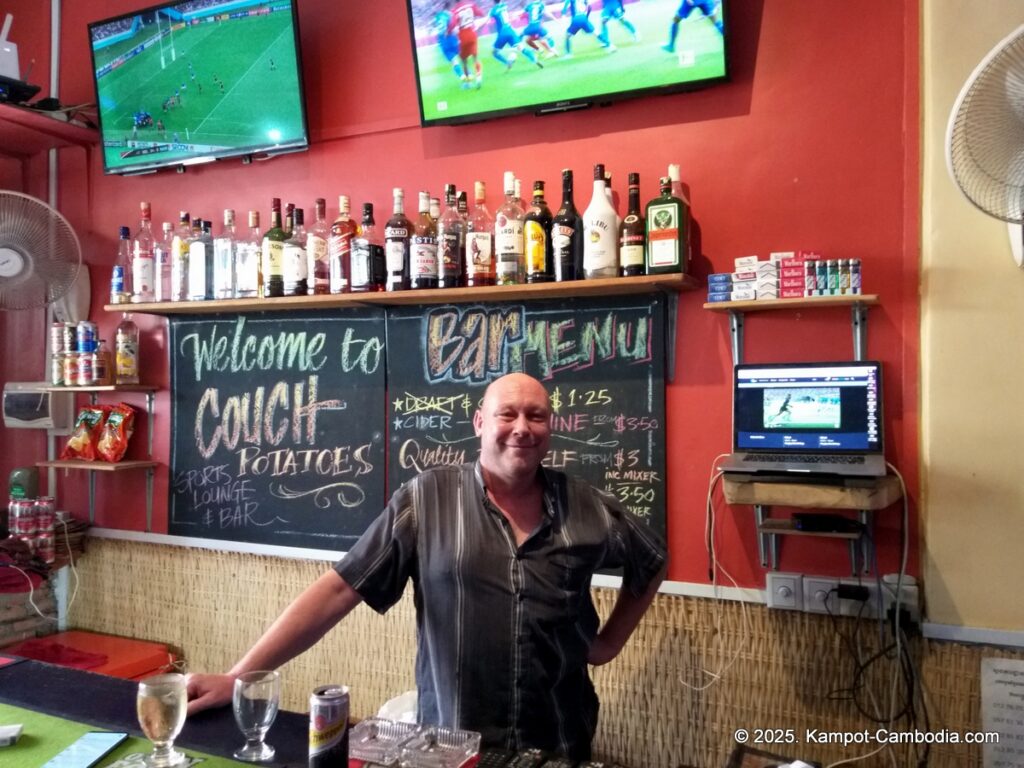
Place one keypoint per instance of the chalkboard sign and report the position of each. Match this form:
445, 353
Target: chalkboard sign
277, 427
602, 361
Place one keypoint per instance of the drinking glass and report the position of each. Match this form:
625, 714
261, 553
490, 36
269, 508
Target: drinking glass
256, 698
161, 704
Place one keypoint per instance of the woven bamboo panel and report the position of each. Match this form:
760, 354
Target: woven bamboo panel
661, 704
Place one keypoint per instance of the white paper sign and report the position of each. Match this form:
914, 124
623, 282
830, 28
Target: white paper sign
1002, 711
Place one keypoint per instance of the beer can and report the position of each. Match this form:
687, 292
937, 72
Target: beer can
84, 373
46, 547
85, 335
57, 338
57, 369
70, 369
328, 727
810, 278
46, 513
70, 337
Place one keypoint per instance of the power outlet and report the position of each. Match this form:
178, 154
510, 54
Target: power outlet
820, 595
910, 599
784, 590
865, 610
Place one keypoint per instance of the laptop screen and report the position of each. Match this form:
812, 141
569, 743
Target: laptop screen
808, 407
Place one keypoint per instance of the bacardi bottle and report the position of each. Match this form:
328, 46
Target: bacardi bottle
479, 241
423, 257
339, 248
224, 260
143, 265
365, 248
508, 236
295, 261
666, 232
631, 234
272, 253
162, 256
247, 260
318, 260
179, 258
567, 235
451, 242
537, 234
397, 235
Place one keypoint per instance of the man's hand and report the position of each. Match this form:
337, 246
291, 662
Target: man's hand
208, 691
602, 651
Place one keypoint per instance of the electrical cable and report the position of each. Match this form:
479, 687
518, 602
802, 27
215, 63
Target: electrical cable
31, 592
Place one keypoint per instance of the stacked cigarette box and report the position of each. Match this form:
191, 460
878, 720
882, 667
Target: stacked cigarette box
753, 279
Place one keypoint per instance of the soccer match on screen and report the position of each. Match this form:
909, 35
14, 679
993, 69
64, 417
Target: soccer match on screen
480, 56
197, 79
803, 408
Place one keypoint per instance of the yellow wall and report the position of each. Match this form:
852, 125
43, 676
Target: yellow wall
972, 352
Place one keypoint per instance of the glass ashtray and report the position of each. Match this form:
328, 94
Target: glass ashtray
379, 741
437, 747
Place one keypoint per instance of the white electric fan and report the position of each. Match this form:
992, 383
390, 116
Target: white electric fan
40, 259
985, 137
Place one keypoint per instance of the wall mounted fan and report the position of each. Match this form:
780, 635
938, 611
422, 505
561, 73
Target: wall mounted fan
985, 137
40, 257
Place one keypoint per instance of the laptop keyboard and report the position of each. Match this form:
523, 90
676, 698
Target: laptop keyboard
804, 458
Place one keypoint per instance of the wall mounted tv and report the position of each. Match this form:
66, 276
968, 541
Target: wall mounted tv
197, 81
479, 59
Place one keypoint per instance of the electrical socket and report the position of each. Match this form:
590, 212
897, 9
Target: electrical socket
910, 596
817, 591
865, 610
784, 590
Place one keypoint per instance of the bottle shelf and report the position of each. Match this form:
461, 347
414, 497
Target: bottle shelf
609, 286
788, 528
97, 466
105, 388
806, 302
25, 132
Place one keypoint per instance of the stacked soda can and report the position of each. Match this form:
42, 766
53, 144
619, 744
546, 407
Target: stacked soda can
75, 347
46, 517
32, 521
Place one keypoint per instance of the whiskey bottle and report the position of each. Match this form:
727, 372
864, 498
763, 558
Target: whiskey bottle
318, 266
537, 235
601, 232
339, 248
423, 257
272, 252
364, 249
666, 231
508, 236
451, 242
479, 264
567, 235
397, 234
296, 281
631, 233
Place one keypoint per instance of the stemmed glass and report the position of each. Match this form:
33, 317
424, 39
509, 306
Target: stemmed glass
256, 698
161, 705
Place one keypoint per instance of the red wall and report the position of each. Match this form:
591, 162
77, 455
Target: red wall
813, 145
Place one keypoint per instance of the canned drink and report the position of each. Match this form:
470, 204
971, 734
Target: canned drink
328, 727
854, 275
844, 276
821, 278
70, 369
810, 278
85, 335
46, 513
70, 337
832, 271
84, 377
21, 514
57, 338
57, 369
46, 547
30, 542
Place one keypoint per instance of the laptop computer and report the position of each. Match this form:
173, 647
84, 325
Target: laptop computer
807, 419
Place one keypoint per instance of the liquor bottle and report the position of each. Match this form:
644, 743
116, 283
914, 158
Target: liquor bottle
339, 248
289, 219
613, 199
423, 256
601, 233
272, 253
162, 250
247, 260
435, 209
678, 191
479, 269
102, 364
120, 275
397, 234
126, 352
537, 234
631, 233
451, 242
224, 259
318, 251
179, 258
295, 262
517, 192
666, 231
508, 236
567, 235
363, 247
463, 206
200, 262
143, 266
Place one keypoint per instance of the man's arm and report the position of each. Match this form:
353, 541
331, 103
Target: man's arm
626, 614
309, 617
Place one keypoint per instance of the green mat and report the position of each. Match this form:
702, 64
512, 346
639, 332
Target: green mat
44, 737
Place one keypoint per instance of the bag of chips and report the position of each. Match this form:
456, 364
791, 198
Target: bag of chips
82, 442
117, 431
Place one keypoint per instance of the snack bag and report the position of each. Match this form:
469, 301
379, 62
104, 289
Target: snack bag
116, 432
82, 442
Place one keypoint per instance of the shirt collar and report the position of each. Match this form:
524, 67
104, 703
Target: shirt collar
547, 486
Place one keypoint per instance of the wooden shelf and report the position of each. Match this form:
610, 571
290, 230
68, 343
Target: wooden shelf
97, 466
885, 491
807, 302
105, 388
788, 528
610, 286
25, 132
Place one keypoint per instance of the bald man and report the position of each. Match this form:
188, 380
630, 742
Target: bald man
501, 553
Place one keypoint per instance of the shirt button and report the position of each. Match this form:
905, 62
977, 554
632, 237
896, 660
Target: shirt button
520, 597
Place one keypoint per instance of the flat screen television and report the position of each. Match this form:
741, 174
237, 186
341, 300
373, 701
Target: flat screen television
197, 81
479, 59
